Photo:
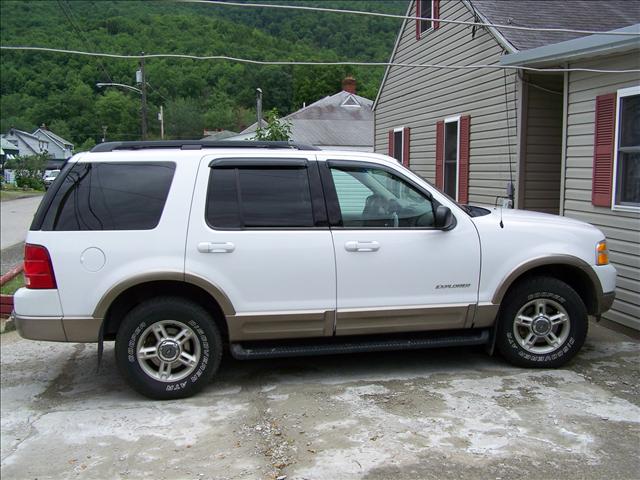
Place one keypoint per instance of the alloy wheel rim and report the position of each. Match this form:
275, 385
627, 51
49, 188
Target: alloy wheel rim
541, 326
168, 351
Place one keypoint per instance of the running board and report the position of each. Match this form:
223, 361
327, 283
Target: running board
256, 350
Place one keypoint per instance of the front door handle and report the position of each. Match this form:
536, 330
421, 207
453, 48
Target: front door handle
216, 247
362, 246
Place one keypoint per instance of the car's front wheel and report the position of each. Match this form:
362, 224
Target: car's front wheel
543, 322
168, 348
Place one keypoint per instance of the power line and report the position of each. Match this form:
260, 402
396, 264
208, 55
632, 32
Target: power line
66, 10
406, 17
303, 63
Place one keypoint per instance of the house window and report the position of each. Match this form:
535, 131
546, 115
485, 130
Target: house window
399, 139
425, 9
451, 156
626, 170
397, 144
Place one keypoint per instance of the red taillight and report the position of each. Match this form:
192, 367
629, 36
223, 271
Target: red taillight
38, 270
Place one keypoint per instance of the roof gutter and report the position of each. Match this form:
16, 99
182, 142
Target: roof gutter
578, 48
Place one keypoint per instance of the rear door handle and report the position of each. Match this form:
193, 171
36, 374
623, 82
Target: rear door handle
362, 246
216, 247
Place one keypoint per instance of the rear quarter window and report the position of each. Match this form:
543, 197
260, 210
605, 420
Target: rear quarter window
110, 196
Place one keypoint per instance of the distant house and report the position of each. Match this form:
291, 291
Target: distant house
556, 142
341, 121
7, 151
59, 148
216, 135
26, 143
41, 141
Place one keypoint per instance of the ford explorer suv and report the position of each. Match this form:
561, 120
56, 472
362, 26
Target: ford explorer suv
178, 250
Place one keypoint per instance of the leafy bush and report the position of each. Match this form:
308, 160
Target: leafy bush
29, 170
276, 129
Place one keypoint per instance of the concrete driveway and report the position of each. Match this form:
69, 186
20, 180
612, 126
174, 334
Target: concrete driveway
437, 414
16, 216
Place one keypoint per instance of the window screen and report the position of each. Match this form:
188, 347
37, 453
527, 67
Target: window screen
110, 196
267, 197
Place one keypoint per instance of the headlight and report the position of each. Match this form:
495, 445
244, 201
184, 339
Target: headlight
602, 253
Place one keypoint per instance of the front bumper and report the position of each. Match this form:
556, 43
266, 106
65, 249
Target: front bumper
57, 329
606, 300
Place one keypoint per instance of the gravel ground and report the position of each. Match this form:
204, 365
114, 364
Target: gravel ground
439, 414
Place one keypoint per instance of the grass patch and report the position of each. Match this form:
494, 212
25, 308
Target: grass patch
6, 195
12, 285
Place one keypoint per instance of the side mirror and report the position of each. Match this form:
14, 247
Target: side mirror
443, 218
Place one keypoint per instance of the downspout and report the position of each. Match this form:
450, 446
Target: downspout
521, 142
565, 127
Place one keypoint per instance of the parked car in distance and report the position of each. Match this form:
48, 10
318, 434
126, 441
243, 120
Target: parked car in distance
49, 177
179, 249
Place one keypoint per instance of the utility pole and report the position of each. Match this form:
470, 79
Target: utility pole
161, 118
259, 106
143, 87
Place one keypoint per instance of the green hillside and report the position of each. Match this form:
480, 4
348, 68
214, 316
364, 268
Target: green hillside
60, 90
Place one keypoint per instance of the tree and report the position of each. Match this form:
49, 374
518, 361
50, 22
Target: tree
184, 119
277, 129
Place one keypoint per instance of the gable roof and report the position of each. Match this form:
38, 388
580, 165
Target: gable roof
56, 138
604, 15
341, 119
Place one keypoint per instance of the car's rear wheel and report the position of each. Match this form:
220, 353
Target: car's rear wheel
168, 348
543, 323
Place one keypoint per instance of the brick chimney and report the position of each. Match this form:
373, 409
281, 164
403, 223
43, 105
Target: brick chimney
349, 84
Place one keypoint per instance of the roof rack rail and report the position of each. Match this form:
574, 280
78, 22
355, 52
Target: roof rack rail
197, 145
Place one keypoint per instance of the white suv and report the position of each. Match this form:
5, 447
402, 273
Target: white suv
178, 249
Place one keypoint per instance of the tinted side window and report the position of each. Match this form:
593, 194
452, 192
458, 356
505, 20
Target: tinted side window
110, 196
370, 197
268, 197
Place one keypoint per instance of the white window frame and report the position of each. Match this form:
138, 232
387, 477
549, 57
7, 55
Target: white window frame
623, 92
431, 28
444, 154
401, 130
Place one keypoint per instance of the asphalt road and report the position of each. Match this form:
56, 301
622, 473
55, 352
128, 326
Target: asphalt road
16, 217
439, 414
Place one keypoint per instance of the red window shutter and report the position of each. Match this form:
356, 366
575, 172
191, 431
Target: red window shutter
391, 143
436, 14
418, 21
406, 143
440, 154
463, 156
604, 142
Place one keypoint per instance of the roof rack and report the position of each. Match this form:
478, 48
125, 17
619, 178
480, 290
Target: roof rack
197, 145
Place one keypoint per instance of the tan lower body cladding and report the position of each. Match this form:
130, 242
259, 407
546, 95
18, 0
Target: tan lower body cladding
322, 323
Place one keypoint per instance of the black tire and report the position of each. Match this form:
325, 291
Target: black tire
556, 297
171, 315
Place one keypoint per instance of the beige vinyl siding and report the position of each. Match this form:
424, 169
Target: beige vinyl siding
419, 97
542, 145
621, 228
